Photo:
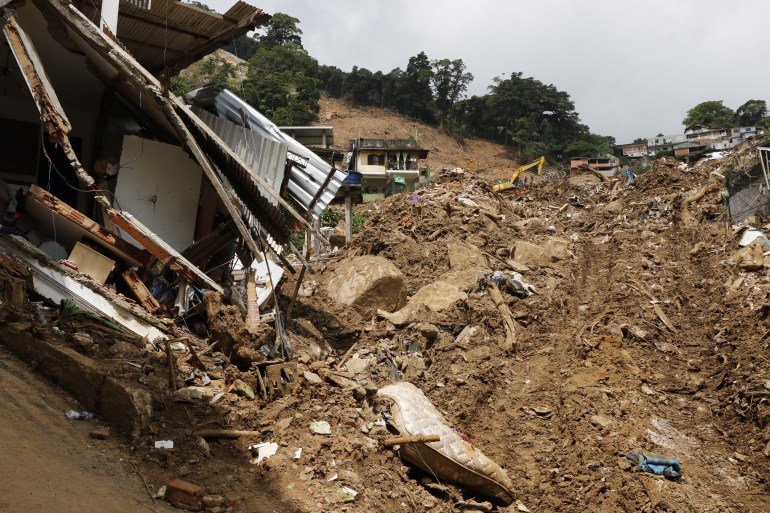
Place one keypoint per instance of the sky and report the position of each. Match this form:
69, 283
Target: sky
632, 69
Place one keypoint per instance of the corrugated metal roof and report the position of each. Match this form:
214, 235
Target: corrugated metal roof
260, 153
308, 171
172, 33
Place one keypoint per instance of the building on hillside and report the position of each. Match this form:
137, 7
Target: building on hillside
387, 165
661, 143
686, 148
633, 150
707, 136
314, 137
744, 133
607, 165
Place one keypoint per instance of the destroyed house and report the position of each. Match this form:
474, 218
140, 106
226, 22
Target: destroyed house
384, 162
607, 165
112, 186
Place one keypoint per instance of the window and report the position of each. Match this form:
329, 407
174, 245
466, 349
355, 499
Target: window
376, 160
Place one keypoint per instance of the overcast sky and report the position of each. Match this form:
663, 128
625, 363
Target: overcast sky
633, 69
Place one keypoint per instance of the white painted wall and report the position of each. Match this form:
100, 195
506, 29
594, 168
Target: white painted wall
160, 185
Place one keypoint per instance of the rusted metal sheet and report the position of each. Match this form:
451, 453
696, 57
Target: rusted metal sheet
162, 251
140, 291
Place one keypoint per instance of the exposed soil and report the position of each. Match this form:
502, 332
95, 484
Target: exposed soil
647, 333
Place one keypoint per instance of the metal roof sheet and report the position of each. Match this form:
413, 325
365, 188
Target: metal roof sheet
308, 172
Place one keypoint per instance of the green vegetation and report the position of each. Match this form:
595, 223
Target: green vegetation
330, 218
716, 114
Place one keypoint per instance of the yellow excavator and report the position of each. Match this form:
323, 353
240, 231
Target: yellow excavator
511, 183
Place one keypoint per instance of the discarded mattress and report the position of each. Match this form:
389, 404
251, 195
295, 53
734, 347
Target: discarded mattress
452, 458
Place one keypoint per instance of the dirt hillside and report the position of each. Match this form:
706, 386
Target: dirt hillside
474, 155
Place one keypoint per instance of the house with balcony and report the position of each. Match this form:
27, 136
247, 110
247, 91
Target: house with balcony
387, 165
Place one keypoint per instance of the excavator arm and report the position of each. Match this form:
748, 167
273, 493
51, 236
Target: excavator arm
511, 183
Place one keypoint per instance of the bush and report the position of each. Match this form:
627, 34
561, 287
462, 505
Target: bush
330, 218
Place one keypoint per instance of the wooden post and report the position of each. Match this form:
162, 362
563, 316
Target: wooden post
348, 215
316, 240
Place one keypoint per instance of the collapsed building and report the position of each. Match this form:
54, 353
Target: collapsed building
117, 198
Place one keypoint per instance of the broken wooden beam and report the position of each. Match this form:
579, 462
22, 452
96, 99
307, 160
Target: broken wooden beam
413, 439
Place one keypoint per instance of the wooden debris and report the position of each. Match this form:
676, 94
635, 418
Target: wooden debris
414, 439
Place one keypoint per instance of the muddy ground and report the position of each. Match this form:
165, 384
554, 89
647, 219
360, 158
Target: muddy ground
648, 332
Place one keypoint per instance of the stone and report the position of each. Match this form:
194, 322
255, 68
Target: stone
312, 377
212, 501
184, 495
465, 279
100, 433
435, 297
368, 283
602, 421
548, 254
465, 256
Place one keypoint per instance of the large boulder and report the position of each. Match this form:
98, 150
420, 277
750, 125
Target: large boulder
368, 283
552, 252
435, 297
464, 256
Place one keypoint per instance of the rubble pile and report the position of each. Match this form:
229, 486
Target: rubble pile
576, 335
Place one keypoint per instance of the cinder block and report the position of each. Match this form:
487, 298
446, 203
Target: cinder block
184, 495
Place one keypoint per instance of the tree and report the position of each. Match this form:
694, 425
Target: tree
750, 113
710, 113
415, 97
281, 30
282, 79
449, 81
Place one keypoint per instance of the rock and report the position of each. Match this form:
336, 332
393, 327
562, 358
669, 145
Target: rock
517, 266
212, 501
750, 258
624, 464
83, 340
435, 297
602, 421
312, 377
465, 256
357, 365
647, 390
465, 279
368, 283
427, 330
123, 349
100, 433
204, 447
549, 254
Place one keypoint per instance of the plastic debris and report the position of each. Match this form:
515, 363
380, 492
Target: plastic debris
164, 444
656, 464
263, 451
79, 415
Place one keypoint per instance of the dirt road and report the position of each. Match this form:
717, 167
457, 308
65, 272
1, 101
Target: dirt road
50, 463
